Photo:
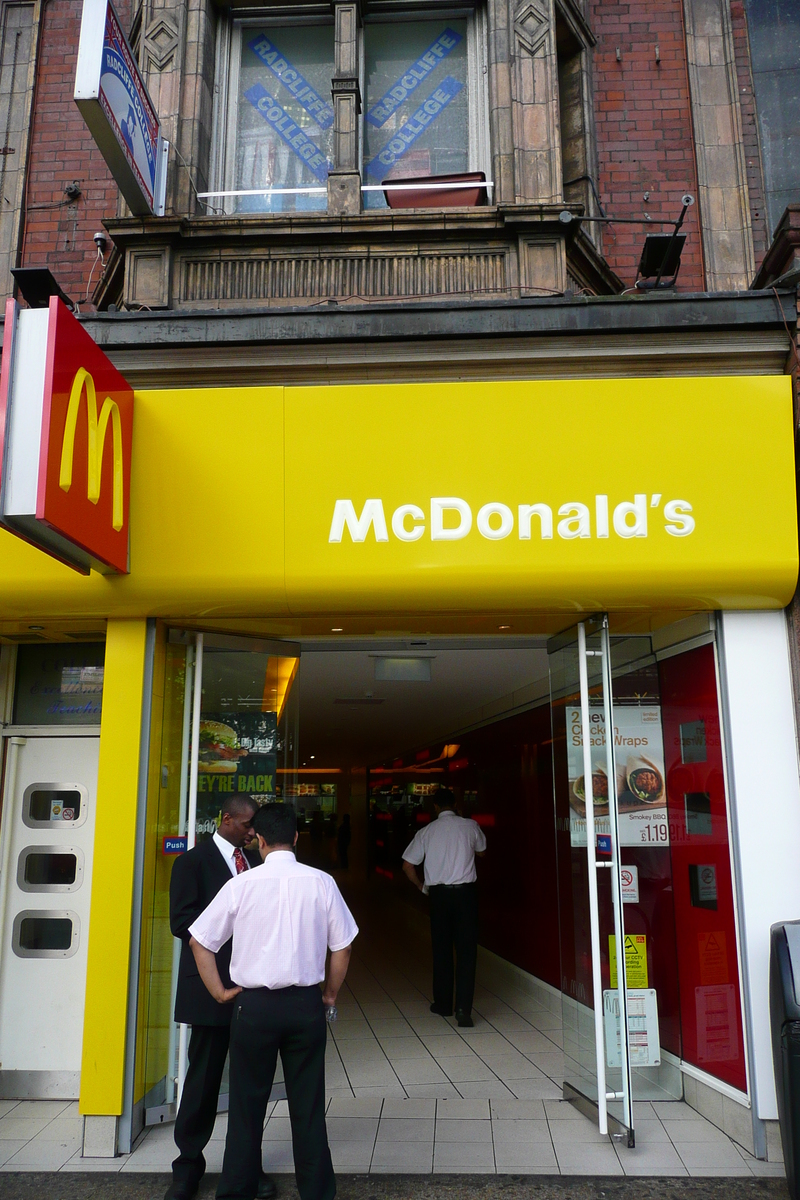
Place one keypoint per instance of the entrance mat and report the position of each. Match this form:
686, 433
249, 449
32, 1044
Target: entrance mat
102, 1185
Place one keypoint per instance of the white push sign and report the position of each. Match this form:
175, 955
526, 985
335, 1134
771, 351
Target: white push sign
112, 97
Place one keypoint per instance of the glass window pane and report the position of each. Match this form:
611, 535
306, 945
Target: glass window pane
59, 685
43, 869
284, 130
45, 933
54, 805
416, 119
243, 729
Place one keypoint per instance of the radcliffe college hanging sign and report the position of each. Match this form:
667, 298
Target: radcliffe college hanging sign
66, 424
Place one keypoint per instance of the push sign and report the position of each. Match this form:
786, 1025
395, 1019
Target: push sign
174, 845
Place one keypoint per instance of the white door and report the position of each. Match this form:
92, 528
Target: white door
45, 889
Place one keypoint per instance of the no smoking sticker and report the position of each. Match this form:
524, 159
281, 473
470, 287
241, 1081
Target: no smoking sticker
629, 877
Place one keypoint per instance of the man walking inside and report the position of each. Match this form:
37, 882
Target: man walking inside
283, 918
448, 847
196, 878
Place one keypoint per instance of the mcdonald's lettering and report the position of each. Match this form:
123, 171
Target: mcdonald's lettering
97, 427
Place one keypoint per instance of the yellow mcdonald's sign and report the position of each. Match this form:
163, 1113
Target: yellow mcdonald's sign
96, 429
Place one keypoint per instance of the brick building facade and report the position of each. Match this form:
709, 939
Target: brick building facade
664, 106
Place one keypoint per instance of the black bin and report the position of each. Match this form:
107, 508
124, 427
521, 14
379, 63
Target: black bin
784, 1009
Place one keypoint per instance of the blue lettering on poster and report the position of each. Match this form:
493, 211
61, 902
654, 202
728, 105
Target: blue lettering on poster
292, 134
414, 127
379, 114
292, 80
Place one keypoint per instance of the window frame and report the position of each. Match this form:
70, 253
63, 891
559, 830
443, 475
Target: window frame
478, 150
230, 27
27, 796
225, 116
50, 849
51, 914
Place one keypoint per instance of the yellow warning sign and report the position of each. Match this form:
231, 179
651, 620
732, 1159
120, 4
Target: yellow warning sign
713, 958
635, 959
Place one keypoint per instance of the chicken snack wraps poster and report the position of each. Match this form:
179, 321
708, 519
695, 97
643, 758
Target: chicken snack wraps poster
639, 769
238, 755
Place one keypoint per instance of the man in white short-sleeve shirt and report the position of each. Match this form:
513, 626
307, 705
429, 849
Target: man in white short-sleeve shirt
284, 918
448, 847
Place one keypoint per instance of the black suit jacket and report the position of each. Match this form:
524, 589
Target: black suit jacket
197, 876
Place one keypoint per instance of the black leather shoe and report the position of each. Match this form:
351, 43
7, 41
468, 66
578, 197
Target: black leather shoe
266, 1188
441, 1012
465, 1021
181, 1191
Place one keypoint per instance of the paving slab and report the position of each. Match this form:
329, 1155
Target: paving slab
524, 1184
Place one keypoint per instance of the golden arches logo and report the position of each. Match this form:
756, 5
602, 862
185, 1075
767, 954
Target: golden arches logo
96, 429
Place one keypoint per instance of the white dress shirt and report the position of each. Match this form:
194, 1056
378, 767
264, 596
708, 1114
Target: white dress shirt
448, 846
227, 851
283, 918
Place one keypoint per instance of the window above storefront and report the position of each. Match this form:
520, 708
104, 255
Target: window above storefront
277, 124
421, 92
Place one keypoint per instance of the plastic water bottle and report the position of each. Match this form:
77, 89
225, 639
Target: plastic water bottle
331, 1013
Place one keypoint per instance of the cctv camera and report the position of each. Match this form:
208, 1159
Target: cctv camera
101, 241
687, 200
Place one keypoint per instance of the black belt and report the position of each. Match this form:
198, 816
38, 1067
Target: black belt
450, 887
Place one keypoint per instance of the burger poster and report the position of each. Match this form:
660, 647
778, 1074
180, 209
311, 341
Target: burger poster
639, 768
238, 753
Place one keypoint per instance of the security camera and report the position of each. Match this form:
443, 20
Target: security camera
101, 241
687, 200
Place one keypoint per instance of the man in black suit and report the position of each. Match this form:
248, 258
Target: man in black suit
197, 876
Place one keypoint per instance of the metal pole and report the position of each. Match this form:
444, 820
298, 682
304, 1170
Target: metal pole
191, 819
173, 1071
616, 882
194, 760
591, 862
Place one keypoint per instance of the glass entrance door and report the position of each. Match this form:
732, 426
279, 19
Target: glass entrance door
228, 711
594, 956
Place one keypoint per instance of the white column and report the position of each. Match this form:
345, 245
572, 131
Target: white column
764, 790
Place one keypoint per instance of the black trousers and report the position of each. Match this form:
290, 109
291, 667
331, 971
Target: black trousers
208, 1047
290, 1020
454, 926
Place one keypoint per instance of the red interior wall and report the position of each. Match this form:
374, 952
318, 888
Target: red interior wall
510, 765
711, 1017
502, 776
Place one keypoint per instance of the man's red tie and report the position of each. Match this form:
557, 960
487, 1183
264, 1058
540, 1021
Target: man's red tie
240, 860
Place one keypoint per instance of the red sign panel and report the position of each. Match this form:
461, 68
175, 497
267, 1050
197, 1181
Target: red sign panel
67, 405
85, 453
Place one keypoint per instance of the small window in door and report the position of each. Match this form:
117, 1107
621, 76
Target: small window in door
698, 814
53, 804
50, 869
703, 885
45, 934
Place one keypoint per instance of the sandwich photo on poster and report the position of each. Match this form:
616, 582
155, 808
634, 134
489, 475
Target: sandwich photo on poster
639, 771
238, 754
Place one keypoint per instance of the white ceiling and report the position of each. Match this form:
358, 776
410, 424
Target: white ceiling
463, 682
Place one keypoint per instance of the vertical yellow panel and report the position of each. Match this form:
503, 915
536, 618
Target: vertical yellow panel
150, 863
105, 1013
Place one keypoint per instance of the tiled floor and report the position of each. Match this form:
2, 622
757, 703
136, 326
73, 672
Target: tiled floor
409, 1092
399, 1135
